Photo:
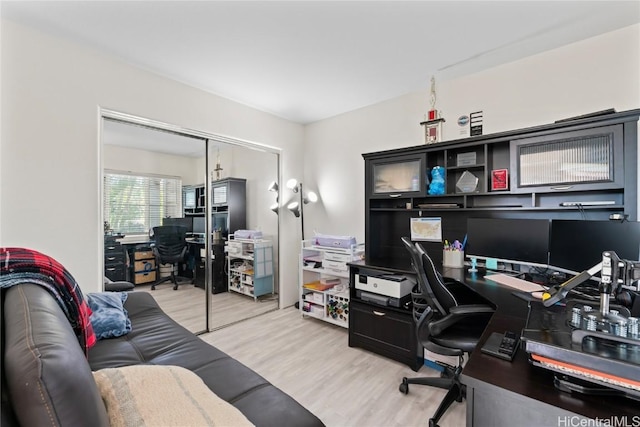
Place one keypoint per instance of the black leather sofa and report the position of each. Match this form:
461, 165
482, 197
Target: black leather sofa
47, 380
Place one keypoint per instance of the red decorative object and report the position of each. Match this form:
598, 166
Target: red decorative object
499, 179
432, 114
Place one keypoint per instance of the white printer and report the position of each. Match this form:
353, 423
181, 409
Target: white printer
389, 289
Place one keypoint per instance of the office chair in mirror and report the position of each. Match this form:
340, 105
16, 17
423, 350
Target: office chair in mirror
450, 318
170, 248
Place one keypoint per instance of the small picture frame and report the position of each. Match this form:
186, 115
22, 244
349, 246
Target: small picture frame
499, 179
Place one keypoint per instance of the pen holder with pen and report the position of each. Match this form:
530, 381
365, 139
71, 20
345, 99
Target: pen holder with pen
453, 258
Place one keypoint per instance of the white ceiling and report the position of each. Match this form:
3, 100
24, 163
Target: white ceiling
306, 61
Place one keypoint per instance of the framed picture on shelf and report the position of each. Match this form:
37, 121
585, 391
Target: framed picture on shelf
499, 179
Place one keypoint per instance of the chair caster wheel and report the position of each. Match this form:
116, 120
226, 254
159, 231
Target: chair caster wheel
153, 288
404, 386
175, 288
432, 423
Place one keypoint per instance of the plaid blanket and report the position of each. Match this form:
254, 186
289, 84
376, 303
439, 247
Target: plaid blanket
20, 265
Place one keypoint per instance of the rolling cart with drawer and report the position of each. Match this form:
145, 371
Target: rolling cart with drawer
115, 259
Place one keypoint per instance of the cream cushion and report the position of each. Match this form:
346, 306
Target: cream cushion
152, 395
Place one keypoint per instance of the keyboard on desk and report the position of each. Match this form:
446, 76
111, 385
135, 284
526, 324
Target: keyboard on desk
515, 283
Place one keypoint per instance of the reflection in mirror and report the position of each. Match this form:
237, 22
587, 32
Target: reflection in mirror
245, 280
175, 170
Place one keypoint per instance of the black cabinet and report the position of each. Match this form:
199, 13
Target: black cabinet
193, 199
572, 169
218, 273
384, 330
114, 260
228, 204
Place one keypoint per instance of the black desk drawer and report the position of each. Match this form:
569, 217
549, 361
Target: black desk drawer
114, 258
384, 331
113, 253
115, 272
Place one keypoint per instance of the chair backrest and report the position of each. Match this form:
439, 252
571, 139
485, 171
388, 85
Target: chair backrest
444, 298
170, 244
426, 290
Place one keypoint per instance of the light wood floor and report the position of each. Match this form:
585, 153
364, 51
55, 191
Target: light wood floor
186, 305
311, 361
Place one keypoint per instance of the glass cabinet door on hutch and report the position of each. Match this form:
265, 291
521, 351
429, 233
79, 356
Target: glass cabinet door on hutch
588, 159
397, 176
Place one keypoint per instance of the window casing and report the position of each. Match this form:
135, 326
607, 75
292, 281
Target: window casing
135, 203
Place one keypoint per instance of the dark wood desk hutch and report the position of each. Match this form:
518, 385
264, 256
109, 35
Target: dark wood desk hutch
604, 182
599, 150
228, 214
228, 203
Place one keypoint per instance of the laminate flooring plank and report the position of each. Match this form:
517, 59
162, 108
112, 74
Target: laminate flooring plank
187, 305
310, 360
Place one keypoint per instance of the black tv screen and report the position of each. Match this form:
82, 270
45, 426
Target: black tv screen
517, 240
577, 245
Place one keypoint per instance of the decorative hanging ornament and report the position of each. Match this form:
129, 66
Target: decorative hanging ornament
218, 168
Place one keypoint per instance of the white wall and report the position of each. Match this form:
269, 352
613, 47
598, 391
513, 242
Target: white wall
591, 75
148, 162
51, 161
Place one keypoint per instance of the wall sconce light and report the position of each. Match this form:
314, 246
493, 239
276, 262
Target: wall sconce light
297, 207
273, 187
274, 207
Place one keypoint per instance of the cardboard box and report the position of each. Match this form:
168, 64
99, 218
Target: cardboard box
143, 255
145, 277
145, 265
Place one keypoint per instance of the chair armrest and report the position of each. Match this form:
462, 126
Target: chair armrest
456, 314
471, 309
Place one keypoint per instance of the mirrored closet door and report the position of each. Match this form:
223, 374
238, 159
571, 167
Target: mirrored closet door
155, 177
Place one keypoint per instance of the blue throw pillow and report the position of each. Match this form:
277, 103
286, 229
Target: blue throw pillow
109, 318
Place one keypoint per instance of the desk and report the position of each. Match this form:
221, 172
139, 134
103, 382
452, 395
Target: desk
137, 243
501, 393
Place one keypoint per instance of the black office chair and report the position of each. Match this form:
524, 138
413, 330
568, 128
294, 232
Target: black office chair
170, 248
450, 318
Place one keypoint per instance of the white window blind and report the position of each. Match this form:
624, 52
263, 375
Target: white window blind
135, 203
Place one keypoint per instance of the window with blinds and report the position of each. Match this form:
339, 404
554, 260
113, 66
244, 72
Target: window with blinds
135, 203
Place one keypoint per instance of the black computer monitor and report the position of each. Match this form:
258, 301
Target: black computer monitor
199, 225
520, 241
577, 245
185, 222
